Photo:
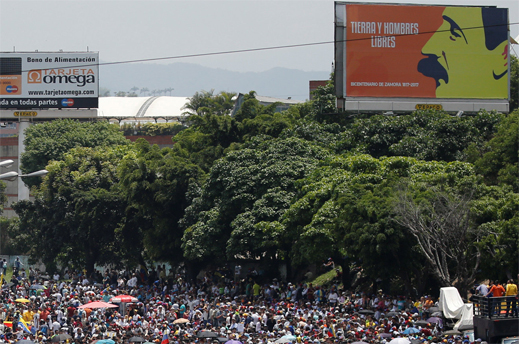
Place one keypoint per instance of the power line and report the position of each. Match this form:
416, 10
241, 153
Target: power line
238, 51
282, 47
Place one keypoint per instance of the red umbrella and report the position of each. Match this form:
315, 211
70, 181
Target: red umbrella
98, 304
124, 299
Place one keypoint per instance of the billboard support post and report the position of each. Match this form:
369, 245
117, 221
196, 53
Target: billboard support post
23, 190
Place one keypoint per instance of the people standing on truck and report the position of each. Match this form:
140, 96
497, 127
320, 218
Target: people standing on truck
511, 298
482, 289
497, 290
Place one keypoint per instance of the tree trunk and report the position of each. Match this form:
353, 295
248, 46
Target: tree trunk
404, 275
90, 261
346, 274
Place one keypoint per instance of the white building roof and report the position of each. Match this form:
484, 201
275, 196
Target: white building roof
270, 100
161, 108
151, 108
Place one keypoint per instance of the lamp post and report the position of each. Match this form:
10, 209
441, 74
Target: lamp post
11, 176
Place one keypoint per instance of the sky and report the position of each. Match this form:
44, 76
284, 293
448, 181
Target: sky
126, 30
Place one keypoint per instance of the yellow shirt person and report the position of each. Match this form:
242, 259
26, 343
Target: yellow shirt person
28, 316
511, 288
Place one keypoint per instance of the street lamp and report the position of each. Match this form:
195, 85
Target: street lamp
13, 175
6, 163
9, 176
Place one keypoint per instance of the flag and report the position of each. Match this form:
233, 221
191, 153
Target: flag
25, 326
1, 280
8, 324
165, 339
330, 331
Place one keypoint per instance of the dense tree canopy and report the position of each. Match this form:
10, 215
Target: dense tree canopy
498, 159
206, 102
514, 83
77, 211
295, 187
156, 183
48, 141
247, 186
423, 135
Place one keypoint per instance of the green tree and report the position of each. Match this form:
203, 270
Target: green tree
514, 83
324, 103
8, 229
211, 133
206, 139
495, 213
155, 184
247, 186
344, 210
77, 211
326, 135
51, 140
156, 129
251, 107
440, 220
206, 102
499, 162
425, 135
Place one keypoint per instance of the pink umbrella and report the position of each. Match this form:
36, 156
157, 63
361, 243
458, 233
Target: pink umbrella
124, 299
98, 304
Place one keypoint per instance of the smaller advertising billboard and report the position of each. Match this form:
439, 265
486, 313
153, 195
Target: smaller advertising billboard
43, 80
387, 51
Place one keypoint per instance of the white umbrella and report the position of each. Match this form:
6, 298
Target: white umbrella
400, 340
283, 340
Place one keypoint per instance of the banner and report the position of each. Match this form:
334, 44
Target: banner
404, 51
49, 80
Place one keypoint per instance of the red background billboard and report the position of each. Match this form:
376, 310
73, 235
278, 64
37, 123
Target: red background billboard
384, 45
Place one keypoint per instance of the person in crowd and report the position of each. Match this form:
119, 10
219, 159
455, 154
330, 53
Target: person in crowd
496, 290
511, 298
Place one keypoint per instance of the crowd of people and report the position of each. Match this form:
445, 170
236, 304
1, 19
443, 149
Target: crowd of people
218, 306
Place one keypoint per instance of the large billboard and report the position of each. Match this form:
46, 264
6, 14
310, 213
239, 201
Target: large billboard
41, 80
418, 51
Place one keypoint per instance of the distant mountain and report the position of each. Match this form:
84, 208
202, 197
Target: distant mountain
187, 78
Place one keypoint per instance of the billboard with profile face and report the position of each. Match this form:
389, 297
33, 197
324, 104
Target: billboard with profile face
418, 51
37, 80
